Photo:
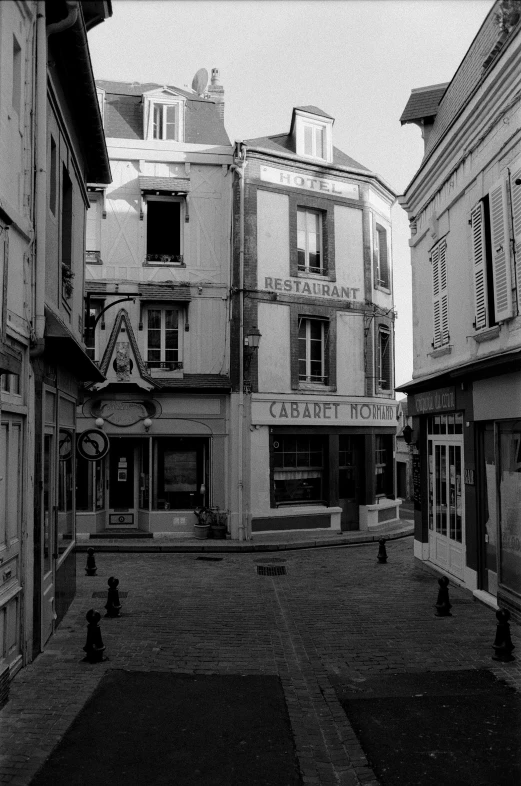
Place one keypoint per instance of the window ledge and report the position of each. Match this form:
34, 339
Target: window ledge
382, 288
487, 335
166, 373
164, 264
309, 274
316, 387
440, 351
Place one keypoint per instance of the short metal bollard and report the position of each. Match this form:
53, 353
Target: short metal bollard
113, 606
443, 604
94, 647
90, 568
503, 642
382, 553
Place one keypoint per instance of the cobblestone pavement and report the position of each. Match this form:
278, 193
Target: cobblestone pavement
337, 615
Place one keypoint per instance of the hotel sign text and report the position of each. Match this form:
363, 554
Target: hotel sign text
321, 185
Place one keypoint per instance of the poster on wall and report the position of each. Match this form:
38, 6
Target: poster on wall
180, 470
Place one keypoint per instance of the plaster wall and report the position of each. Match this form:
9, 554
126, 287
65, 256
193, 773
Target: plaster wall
260, 471
350, 354
272, 235
349, 251
274, 349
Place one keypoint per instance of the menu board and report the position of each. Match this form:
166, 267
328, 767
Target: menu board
416, 481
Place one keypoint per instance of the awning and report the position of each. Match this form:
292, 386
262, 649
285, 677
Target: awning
64, 348
164, 292
165, 185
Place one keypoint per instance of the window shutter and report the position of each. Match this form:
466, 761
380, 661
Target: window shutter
500, 252
480, 270
444, 298
440, 296
93, 226
515, 190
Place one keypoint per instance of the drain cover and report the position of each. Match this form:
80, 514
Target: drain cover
271, 570
103, 594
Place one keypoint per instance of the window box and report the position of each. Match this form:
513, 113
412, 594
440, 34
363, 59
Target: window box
165, 259
166, 370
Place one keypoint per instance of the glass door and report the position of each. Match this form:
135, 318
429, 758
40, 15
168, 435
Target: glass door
348, 481
446, 513
123, 483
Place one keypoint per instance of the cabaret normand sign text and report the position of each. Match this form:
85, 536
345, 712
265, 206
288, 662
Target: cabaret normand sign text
284, 411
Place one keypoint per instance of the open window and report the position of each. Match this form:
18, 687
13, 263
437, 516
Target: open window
164, 238
163, 115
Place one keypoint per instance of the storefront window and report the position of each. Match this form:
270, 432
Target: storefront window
298, 469
383, 465
178, 473
90, 488
510, 504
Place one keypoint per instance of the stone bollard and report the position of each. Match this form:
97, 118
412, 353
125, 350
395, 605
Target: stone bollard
113, 605
90, 568
94, 645
443, 604
382, 553
503, 643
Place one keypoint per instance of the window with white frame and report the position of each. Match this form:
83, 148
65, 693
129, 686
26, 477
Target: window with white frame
383, 359
312, 344
313, 135
314, 140
164, 230
164, 117
163, 338
381, 257
93, 231
440, 294
309, 241
491, 252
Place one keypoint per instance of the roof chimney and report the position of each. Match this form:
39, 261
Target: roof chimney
215, 91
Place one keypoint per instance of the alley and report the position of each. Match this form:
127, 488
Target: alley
335, 619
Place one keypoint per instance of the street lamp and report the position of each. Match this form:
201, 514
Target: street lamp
251, 345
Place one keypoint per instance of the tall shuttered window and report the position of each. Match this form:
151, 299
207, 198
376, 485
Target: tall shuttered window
500, 238
515, 191
440, 294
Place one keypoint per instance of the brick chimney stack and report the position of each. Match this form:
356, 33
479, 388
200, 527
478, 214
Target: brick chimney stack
215, 91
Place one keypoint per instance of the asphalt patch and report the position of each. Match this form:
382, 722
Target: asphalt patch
433, 728
177, 729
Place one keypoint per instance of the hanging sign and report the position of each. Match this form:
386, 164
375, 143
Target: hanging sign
93, 444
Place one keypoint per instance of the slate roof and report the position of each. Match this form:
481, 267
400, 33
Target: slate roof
286, 143
166, 291
314, 110
124, 113
423, 102
170, 184
195, 381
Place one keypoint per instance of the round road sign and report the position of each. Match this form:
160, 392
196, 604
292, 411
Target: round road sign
93, 444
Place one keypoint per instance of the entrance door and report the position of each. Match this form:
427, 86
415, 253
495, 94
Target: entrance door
446, 506
50, 511
123, 486
348, 481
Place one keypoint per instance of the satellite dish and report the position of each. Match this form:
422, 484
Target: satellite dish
200, 81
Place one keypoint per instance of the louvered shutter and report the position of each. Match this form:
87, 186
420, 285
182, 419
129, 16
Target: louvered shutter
500, 252
435, 260
444, 298
479, 267
516, 215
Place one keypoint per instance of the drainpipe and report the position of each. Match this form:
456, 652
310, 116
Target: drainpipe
240, 166
40, 184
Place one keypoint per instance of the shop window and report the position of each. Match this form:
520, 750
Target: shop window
90, 484
309, 242
298, 469
381, 255
164, 230
384, 359
312, 350
491, 258
384, 465
440, 294
93, 233
178, 475
163, 338
65, 490
451, 423
53, 176
510, 510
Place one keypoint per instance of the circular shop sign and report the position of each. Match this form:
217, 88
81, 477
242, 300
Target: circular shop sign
93, 444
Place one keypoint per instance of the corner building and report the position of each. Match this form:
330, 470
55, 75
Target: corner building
464, 206
313, 276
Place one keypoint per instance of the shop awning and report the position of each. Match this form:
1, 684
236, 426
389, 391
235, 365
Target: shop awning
165, 185
61, 344
164, 292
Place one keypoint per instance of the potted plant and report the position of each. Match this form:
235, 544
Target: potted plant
202, 528
218, 523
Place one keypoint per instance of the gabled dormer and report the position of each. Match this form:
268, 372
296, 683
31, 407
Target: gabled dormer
164, 115
312, 132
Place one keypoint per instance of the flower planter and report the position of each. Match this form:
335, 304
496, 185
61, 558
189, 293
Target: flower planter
201, 531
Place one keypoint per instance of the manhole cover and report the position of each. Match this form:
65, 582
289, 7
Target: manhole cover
271, 570
103, 594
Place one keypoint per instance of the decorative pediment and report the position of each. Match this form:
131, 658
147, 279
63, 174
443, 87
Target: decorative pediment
122, 362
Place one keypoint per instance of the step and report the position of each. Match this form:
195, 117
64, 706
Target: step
121, 533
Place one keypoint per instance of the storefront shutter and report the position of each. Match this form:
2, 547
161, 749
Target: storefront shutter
480, 270
500, 252
516, 215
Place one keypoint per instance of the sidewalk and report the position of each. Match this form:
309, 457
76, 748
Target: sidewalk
336, 621
266, 541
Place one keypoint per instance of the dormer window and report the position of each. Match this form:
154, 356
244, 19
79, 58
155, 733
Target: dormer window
313, 133
164, 116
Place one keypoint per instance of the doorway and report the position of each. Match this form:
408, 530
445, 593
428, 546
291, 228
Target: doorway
446, 505
349, 457
123, 467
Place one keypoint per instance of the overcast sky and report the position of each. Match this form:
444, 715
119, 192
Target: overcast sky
356, 59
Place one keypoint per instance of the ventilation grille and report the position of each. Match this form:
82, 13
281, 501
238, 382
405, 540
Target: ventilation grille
271, 570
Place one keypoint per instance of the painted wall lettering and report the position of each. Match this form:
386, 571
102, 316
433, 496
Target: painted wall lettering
283, 177
315, 289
